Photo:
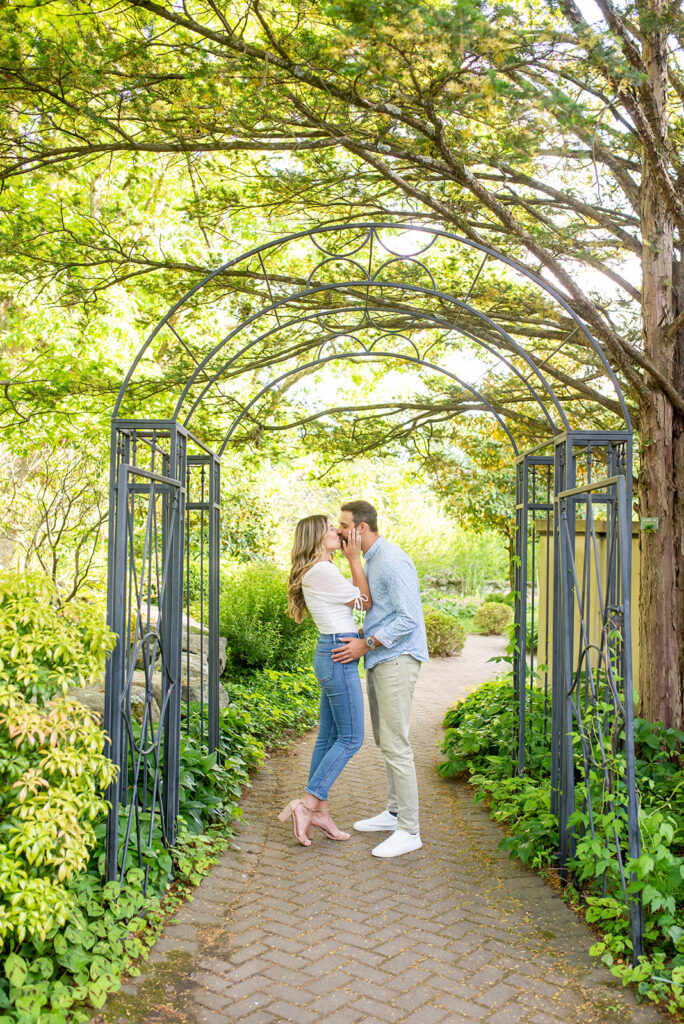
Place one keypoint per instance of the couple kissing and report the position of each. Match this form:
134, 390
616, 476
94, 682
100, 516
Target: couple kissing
393, 644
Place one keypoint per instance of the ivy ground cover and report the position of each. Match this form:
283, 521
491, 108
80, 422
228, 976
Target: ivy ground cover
479, 742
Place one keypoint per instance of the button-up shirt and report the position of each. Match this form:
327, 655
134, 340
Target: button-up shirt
396, 618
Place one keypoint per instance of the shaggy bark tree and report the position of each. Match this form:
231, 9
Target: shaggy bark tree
661, 423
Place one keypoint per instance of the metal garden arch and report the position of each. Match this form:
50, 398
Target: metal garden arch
365, 292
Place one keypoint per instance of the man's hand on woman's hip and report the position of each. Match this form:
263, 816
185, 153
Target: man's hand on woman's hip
351, 650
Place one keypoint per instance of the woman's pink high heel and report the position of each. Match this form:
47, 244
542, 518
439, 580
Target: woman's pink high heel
290, 811
324, 826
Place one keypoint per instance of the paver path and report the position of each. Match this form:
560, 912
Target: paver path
453, 933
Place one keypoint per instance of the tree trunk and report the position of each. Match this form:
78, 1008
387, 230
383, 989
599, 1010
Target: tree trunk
661, 481
661, 476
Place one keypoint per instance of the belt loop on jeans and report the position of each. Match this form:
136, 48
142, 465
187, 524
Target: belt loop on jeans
336, 636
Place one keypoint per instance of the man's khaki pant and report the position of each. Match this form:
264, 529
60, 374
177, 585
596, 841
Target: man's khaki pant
390, 697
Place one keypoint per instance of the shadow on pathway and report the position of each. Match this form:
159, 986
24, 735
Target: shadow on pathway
454, 933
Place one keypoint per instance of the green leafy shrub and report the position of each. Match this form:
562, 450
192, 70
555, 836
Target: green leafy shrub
46, 648
65, 936
445, 634
193, 583
211, 784
508, 599
61, 977
479, 739
52, 767
492, 618
45, 979
254, 619
275, 703
532, 632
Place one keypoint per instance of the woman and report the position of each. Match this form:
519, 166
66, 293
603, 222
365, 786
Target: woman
317, 587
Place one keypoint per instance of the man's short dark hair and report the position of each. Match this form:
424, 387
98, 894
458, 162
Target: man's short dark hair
363, 512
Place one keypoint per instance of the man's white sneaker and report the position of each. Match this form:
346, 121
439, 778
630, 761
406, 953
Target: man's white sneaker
384, 822
395, 845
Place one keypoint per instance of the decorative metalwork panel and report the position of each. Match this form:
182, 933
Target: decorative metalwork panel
164, 510
597, 801
574, 530
142, 688
366, 291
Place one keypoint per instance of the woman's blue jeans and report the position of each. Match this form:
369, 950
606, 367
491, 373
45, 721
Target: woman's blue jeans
340, 733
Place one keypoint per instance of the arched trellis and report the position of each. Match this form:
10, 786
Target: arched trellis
573, 517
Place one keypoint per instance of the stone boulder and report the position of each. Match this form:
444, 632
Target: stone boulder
194, 641
92, 697
193, 667
138, 701
195, 688
151, 615
196, 693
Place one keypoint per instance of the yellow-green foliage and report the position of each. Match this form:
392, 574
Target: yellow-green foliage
492, 618
52, 768
44, 648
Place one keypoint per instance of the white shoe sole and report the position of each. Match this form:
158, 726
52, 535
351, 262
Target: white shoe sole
374, 828
399, 853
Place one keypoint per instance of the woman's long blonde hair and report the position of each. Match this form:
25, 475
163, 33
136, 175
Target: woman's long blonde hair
306, 551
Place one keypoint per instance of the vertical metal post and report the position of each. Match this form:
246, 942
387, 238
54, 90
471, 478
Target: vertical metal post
116, 619
548, 627
567, 592
214, 588
557, 688
636, 909
533, 577
171, 609
522, 516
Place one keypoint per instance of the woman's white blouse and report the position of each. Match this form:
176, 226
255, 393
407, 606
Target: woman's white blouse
326, 593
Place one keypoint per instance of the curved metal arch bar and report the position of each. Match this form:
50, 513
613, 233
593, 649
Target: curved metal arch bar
338, 286
335, 335
432, 318
366, 355
406, 259
374, 227
398, 336
336, 259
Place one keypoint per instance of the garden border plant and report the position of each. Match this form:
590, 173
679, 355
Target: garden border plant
480, 742
65, 954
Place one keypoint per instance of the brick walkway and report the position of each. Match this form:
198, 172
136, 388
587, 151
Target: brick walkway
455, 933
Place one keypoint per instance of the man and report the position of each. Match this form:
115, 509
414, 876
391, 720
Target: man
393, 644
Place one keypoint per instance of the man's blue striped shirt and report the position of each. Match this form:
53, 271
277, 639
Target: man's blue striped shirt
396, 618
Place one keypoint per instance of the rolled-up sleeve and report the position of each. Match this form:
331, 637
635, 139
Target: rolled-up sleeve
403, 593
